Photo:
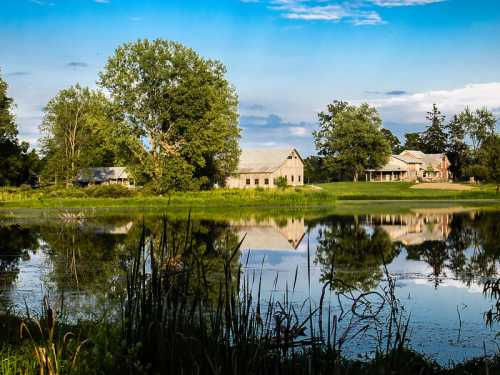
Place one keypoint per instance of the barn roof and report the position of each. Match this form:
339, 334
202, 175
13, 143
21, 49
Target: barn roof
101, 174
263, 160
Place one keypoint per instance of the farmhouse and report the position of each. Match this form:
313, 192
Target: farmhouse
104, 176
412, 166
263, 167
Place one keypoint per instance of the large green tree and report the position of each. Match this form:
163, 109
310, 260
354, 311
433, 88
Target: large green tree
434, 138
18, 165
183, 109
79, 131
350, 138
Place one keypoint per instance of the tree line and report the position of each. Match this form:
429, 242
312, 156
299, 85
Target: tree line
351, 139
167, 114
171, 117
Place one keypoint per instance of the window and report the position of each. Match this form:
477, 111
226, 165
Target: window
248, 181
292, 178
299, 178
289, 156
286, 178
266, 181
256, 181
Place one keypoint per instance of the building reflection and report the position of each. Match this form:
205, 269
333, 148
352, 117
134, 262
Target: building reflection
416, 227
270, 234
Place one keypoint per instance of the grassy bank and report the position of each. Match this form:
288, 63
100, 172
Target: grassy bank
323, 195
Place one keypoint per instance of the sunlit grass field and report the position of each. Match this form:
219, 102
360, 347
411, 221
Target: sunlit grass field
401, 191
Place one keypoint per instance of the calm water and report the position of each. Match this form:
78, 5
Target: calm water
439, 257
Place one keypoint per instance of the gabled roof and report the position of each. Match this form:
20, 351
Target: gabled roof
433, 159
263, 160
414, 153
101, 174
407, 159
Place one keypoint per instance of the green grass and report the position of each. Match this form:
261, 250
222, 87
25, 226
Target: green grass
402, 191
326, 196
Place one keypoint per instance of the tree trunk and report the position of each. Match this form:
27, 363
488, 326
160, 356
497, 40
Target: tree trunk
355, 177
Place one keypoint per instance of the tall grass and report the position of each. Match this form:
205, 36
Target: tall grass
171, 325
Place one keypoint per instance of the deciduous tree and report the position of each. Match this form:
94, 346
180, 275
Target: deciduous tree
181, 107
350, 139
78, 131
18, 165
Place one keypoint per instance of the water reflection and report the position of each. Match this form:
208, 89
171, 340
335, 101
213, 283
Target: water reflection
440, 257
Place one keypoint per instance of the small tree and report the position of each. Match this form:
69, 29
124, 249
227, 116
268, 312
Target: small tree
350, 138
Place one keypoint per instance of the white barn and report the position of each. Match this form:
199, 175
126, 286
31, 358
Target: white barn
262, 168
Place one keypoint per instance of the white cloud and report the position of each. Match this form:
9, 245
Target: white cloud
357, 12
413, 108
404, 3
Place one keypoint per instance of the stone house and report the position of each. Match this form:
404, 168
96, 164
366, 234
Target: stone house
105, 176
262, 168
412, 165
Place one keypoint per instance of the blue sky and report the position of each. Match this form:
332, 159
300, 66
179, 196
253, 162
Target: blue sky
286, 58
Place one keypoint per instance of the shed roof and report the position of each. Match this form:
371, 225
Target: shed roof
263, 160
101, 174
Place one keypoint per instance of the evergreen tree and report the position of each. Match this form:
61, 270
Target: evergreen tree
434, 139
456, 149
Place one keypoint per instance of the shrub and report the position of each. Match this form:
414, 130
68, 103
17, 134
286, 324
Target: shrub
281, 182
108, 191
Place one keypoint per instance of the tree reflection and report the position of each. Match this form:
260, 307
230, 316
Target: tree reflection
470, 252
351, 255
16, 244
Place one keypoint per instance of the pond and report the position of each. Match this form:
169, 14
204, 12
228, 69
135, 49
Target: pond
438, 257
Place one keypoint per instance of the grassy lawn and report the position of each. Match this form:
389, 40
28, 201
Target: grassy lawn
401, 191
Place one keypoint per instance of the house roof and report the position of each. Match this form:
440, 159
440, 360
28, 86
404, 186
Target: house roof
433, 159
101, 174
407, 159
263, 160
414, 153
390, 167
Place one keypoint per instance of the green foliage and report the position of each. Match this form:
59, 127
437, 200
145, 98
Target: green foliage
80, 130
413, 141
281, 182
457, 150
182, 105
18, 165
434, 138
350, 139
489, 156
393, 141
315, 170
108, 191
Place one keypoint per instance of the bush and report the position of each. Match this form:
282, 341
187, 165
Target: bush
281, 182
108, 191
